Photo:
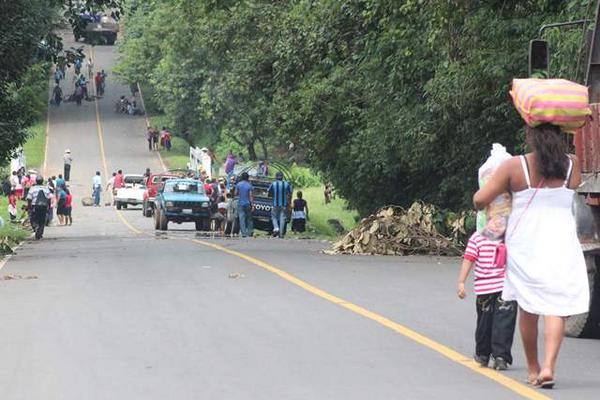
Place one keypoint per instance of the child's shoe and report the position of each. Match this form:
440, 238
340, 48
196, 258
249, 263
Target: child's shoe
500, 364
481, 360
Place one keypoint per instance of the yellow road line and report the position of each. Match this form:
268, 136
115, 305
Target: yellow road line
103, 152
517, 387
509, 383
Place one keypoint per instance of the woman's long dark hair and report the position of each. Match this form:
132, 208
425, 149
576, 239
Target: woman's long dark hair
551, 148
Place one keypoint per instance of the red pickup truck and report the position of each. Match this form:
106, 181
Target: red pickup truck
152, 184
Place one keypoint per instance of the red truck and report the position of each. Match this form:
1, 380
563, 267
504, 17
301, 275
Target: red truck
154, 180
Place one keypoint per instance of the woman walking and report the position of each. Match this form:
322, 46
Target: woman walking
546, 271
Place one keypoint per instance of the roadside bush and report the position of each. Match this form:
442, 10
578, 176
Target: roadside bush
303, 177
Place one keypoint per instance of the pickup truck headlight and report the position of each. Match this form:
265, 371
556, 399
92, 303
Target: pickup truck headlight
169, 204
205, 204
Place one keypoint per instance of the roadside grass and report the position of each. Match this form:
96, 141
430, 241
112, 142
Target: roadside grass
14, 232
319, 213
179, 155
35, 146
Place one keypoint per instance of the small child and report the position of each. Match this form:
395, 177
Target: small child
495, 317
12, 206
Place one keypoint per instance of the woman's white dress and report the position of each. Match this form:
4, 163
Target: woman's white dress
546, 271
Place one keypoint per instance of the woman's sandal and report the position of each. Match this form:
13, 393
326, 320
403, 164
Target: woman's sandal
545, 384
532, 381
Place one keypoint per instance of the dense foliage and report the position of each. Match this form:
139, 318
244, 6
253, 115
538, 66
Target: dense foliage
390, 100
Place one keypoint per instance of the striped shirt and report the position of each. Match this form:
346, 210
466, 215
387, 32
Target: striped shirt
488, 277
280, 191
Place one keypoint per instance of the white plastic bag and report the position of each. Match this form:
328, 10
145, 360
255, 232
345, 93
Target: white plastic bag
491, 222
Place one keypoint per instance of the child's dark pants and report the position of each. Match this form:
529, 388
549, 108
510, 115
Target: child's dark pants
496, 320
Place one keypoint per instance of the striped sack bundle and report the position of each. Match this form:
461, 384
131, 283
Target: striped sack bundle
555, 101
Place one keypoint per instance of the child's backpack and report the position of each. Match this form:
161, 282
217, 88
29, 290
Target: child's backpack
41, 200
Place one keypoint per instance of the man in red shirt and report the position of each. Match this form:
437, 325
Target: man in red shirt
119, 182
99, 85
208, 189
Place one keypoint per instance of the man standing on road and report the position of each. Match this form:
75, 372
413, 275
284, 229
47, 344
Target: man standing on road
90, 68
98, 82
38, 200
245, 205
149, 135
57, 95
281, 193
97, 188
67, 165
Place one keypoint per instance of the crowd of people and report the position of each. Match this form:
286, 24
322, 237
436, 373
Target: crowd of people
158, 139
80, 91
128, 105
33, 201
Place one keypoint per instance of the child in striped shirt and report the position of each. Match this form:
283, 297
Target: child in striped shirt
495, 317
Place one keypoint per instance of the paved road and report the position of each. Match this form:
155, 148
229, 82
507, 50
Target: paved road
119, 312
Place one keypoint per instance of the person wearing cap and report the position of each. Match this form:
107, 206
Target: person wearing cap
243, 190
281, 193
67, 165
38, 201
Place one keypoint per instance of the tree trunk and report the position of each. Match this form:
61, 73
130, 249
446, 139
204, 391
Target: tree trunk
251, 151
263, 145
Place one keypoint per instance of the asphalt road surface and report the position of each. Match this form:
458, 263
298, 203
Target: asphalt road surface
119, 312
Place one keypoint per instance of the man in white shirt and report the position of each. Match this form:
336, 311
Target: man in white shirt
90, 67
97, 188
67, 164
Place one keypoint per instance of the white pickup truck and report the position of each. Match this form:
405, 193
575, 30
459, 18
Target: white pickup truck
132, 193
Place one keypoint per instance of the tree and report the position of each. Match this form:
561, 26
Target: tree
391, 101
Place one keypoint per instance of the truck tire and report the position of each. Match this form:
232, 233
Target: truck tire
587, 325
146, 210
119, 205
157, 220
163, 222
203, 225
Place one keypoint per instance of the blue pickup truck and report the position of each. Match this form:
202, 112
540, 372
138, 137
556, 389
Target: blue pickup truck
182, 200
263, 202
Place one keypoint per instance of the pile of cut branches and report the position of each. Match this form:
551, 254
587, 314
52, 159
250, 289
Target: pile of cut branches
396, 231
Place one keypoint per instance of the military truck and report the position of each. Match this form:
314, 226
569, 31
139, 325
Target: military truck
587, 147
96, 28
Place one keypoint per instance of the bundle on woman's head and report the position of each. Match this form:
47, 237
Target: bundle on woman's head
551, 101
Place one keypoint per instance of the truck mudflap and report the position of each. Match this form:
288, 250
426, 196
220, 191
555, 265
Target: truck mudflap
588, 223
587, 325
